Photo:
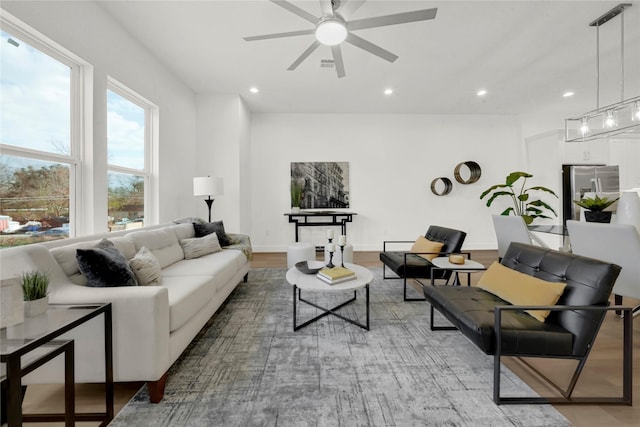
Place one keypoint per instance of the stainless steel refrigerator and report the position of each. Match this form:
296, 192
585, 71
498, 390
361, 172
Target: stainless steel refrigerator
580, 179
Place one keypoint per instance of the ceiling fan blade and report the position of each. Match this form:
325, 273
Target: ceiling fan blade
304, 55
278, 35
370, 47
297, 11
337, 60
326, 7
348, 8
398, 18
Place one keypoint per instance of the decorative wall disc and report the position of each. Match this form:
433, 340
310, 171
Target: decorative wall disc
474, 172
445, 183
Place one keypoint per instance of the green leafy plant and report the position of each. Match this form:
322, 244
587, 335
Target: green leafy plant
520, 195
595, 204
296, 194
35, 285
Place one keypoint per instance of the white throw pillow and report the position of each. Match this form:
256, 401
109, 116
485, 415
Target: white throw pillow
199, 246
146, 267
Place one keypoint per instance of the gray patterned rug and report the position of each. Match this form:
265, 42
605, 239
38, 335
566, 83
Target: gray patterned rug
248, 368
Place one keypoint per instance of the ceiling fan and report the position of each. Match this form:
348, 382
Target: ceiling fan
331, 29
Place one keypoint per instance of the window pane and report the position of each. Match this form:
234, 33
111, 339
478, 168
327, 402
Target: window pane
35, 97
34, 200
125, 132
126, 201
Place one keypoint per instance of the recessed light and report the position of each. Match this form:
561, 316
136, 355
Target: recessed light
568, 94
481, 92
254, 90
388, 91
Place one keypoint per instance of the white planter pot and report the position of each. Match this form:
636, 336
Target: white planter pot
36, 307
295, 210
628, 211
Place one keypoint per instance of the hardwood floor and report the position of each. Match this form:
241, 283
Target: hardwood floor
602, 374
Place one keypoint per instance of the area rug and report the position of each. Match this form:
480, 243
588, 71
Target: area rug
247, 367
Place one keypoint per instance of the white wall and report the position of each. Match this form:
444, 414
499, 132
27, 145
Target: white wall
87, 31
223, 150
393, 159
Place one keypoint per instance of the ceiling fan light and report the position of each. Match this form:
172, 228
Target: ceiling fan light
331, 32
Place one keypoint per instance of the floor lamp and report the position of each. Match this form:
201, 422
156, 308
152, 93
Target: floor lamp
208, 186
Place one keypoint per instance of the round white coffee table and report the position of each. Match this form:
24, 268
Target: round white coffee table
309, 282
469, 266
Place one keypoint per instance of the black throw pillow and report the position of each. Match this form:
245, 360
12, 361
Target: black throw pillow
105, 266
212, 227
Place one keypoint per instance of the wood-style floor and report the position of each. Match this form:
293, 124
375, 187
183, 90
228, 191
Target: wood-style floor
602, 374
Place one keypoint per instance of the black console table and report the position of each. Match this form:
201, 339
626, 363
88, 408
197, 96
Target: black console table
308, 219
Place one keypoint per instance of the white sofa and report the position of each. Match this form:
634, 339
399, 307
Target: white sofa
152, 325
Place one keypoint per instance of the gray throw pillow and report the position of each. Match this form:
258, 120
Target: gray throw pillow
217, 227
190, 220
146, 267
196, 247
105, 266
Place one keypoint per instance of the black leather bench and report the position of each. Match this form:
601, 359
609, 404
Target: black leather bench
407, 265
501, 329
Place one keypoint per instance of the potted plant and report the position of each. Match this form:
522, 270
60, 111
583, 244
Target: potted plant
523, 204
595, 208
296, 196
35, 285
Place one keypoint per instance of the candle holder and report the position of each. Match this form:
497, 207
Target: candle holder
342, 255
330, 265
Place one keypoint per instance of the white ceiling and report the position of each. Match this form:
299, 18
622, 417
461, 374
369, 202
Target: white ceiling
526, 54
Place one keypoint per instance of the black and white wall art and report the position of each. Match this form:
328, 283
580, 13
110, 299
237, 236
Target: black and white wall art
321, 185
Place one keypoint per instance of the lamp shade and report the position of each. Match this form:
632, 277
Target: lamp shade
208, 186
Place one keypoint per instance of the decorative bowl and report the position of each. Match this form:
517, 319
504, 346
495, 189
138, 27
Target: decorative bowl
310, 267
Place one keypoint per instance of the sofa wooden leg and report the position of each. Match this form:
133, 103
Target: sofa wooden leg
156, 389
245, 278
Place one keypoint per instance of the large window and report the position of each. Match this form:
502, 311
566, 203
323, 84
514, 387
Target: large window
128, 152
38, 146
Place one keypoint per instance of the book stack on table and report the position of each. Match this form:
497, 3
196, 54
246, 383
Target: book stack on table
335, 275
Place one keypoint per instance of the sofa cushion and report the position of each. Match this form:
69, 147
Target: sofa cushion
183, 230
146, 267
471, 310
425, 248
104, 265
163, 243
213, 227
196, 247
223, 265
187, 296
416, 266
521, 289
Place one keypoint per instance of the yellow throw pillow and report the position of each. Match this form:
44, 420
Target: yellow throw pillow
521, 289
423, 245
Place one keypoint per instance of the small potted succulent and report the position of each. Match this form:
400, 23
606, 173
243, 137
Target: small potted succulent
35, 286
595, 208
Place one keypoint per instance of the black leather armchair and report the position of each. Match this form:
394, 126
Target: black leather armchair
407, 265
502, 329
